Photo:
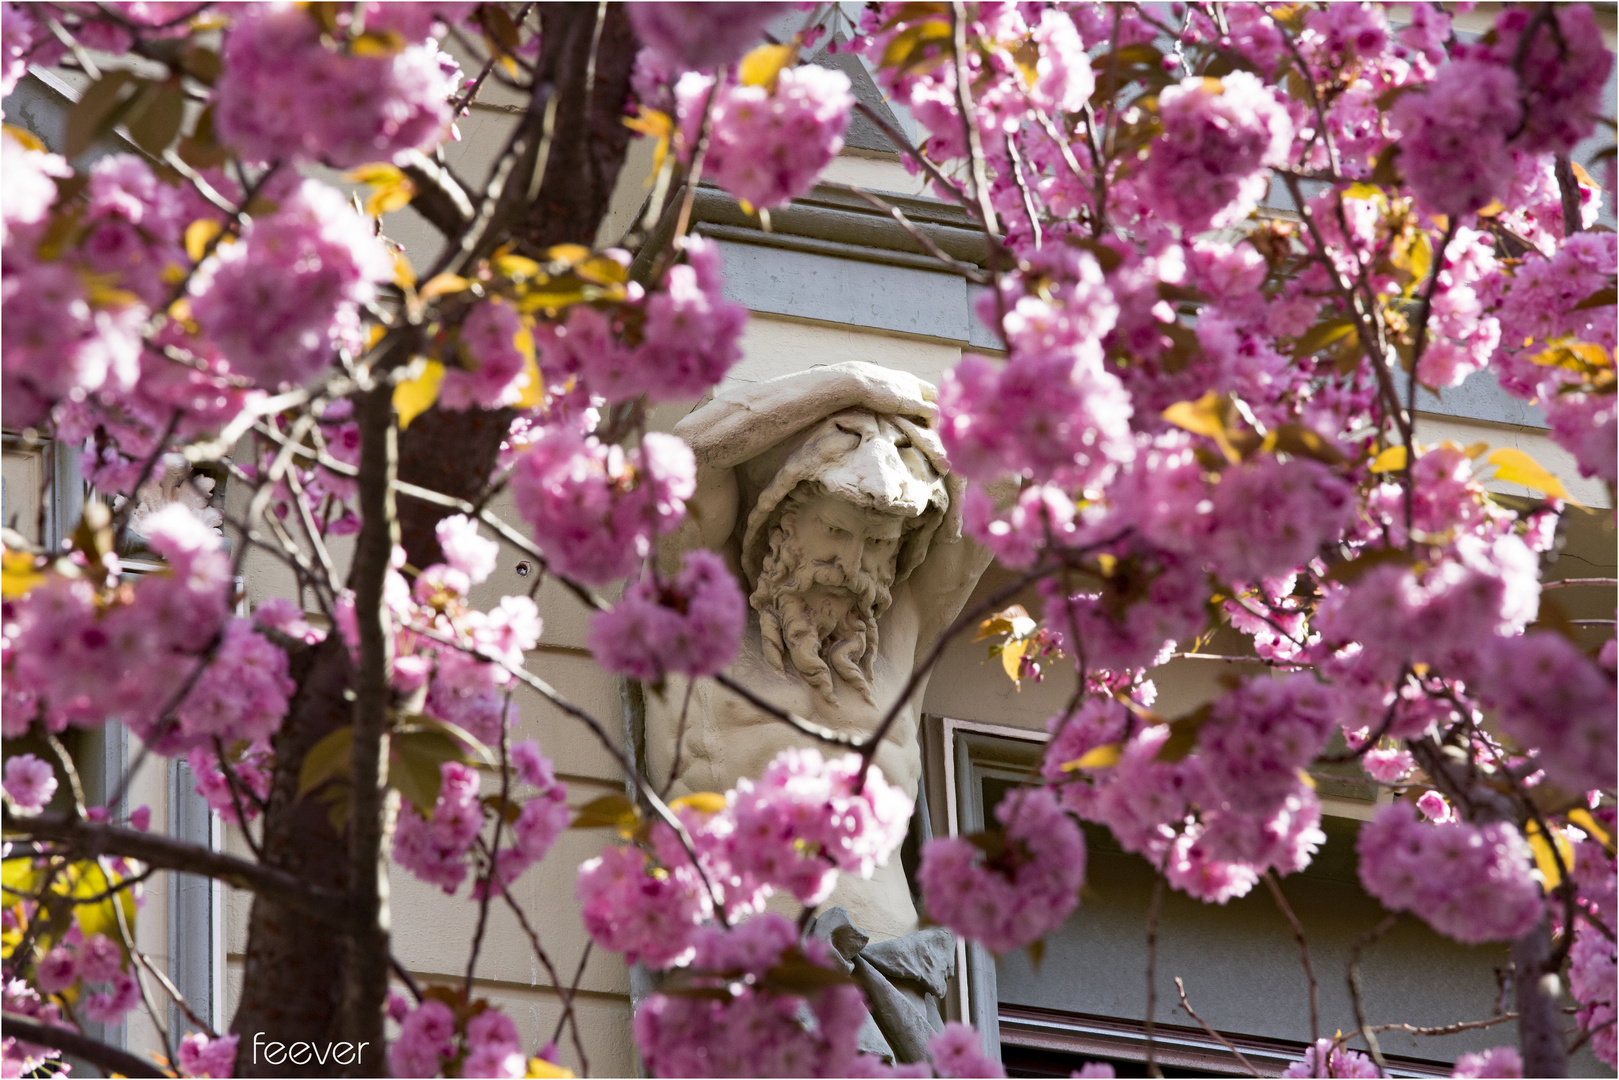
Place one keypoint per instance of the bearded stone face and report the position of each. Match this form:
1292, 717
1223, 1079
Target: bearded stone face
825, 582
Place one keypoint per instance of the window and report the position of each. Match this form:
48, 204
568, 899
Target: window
1084, 999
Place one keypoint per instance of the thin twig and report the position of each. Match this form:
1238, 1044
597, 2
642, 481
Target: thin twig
1366, 1031
1304, 953
1221, 1039
1152, 972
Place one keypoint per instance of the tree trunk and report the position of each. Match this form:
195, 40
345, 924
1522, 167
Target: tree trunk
292, 986
1540, 998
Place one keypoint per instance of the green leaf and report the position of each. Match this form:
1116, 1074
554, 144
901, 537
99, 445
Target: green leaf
327, 760
156, 119
1300, 441
1183, 735
1601, 298
607, 812
1319, 336
413, 764
200, 149
98, 111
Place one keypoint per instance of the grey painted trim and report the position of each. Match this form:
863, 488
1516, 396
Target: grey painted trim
192, 903
1479, 397
973, 751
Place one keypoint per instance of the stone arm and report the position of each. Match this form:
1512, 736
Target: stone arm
744, 421
941, 585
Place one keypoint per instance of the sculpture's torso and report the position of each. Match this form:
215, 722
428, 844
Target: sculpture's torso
727, 739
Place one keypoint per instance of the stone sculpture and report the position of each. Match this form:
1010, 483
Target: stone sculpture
829, 495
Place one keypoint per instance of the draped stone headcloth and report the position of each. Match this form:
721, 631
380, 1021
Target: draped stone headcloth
888, 463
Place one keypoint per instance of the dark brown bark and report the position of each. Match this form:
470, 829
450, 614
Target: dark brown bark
91, 839
365, 974
110, 1058
454, 452
293, 975
1539, 992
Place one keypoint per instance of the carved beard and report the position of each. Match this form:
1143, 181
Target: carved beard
817, 616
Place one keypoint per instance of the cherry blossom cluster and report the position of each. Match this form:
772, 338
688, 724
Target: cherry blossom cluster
1327, 1059
434, 1039
76, 655
496, 351
291, 92
1469, 882
595, 508
282, 299
1593, 963
768, 144
792, 830
1016, 887
98, 967
672, 345
204, 1056
749, 1026
690, 625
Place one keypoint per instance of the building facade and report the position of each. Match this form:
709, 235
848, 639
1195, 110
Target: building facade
827, 280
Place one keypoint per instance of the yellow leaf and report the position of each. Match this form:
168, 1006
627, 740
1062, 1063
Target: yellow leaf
1205, 416
444, 285
29, 140
1583, 819
533, 395
1390, 460
1473, 450
1200, 417
1363, 192
567, 254
1517, 467
376, 173
17, 574
379, 43
704, 802
1101, 757
654, 125
764, 63
551, 299
1012, 658
404, 275
199, 234
1545, 858
1306, 779
515, 267
540, 1069
385, 200
415, 396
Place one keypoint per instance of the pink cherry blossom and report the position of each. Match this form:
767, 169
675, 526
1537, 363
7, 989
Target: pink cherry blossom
30, 782
690, 625
281, 301
1015, 895
696, 36
203, 1056
768, 144
1208, 167
285, 93
1468, 882
958, 1050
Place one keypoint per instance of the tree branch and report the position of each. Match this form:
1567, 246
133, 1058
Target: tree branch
365, 972
92, 839
110, 1058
